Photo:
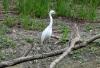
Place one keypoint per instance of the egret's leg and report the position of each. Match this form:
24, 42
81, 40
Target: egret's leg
46, 41
41, 43
49, 40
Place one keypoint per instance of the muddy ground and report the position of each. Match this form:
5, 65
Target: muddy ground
88, 57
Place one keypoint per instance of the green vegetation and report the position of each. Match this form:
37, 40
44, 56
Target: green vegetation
63, 8
38, 25
38, 8
31, 24
6, 42
4, 29
25, 22
84, 9
88, 27
65, 31
41, 7
29, 40
28, 10
6, 5
25, 7
9, 21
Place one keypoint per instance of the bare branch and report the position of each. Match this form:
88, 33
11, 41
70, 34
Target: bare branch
69, 49
77, 31
84, 43
93, 39
66, 52
44, 55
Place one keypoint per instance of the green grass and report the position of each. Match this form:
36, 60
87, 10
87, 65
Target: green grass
93, 3
65, 31
38, 8
25, 7
25, 22
32, 24
6, 5
38, 25
6, 42
85, 9
9, 21
63, 7
41, 7
87, 13
4, 29
82, 9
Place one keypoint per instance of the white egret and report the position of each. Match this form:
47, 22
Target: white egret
46, 34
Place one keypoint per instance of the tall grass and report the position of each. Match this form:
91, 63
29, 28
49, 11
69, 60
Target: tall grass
27, 8
24, 7
41, 7
94, 3
25, 21
85, 9
6, 5
38, 8
87, 13
63, 7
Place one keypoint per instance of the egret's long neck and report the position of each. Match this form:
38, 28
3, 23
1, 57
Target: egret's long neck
51, 20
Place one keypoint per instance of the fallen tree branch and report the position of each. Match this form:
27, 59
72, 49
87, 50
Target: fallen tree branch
71, 45
44, 55
84, 43
66, 52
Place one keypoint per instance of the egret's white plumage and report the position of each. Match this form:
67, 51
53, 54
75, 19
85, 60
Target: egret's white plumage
46, 34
